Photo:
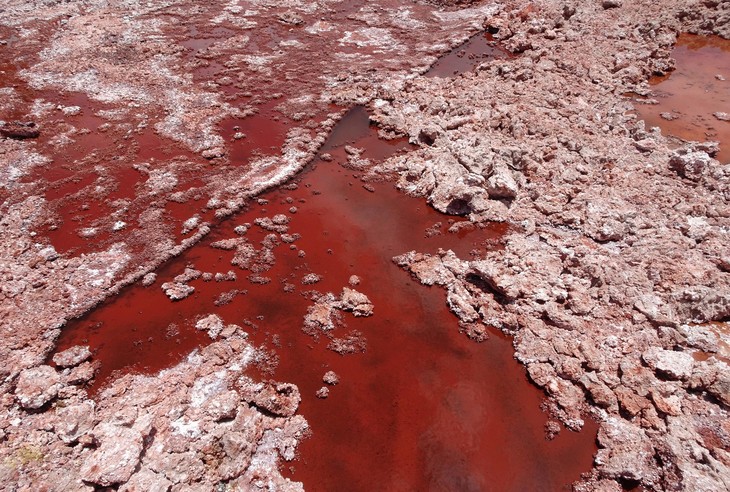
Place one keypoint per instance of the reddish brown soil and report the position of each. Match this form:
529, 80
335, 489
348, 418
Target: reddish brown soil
692, 93
424, 407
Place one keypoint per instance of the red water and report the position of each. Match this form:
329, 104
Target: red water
476, 50
424, 408
693, 92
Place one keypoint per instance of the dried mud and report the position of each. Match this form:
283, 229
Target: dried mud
138, 140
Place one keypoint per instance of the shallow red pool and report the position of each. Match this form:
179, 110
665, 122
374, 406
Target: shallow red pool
689, 97
424, 407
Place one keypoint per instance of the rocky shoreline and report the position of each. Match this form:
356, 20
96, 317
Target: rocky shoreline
618, 268
611, 276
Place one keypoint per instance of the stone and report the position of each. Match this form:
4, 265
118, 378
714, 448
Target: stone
625, 451
690, 164
223, 406
149, 279
73, 356
720, 388
213, 324
311, 278
83, 373
146, 480
278, 398
37, 386
74, 421
502, 184
20, 130
677, 365
331, 378
611, 4
114, 461
177, 291
323, 392
356, 302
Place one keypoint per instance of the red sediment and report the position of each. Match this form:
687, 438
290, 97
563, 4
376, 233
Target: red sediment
424, 407
476, 50
689, 96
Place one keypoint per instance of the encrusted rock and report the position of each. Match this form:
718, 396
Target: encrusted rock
677, 365
177, 291
146, 480
357, 302
223, 406
116, 458
149, 279
212, 323
278, 398
20, 130
72, 356
37, 386
501, 184
690, 164
74, 421
331, 378
311, 278
626, 452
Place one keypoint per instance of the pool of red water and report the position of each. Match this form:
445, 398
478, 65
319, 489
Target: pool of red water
478, 49
424, 407
689, 96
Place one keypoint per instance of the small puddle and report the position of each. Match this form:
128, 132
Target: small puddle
722, 331
424, 407
478, 49
693, 101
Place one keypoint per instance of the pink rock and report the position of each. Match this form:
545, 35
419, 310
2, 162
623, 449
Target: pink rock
73, 356
323, 392
74, 421
117, 457
37, 386
146, 481
330, 377
278, 398
223, 406
212, 323
357, 302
